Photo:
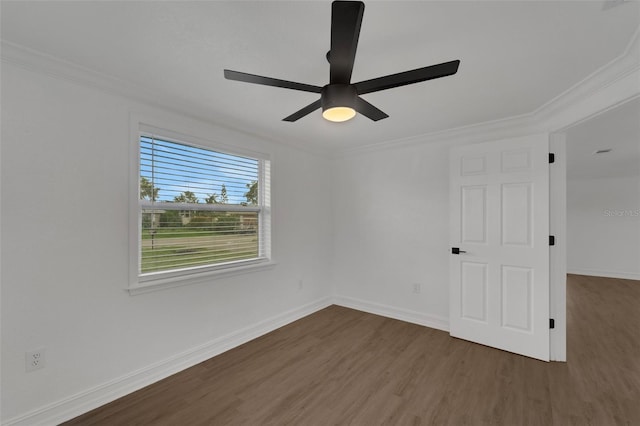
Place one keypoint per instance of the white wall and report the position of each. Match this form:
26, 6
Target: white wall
391, 228
603, 227
65, 164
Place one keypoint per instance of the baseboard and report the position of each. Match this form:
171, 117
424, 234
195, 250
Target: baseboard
82, 402
606, 274
432, 321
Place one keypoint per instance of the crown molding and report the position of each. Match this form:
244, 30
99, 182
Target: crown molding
43, 63
500, 129
543, 118
36, 61
609, 74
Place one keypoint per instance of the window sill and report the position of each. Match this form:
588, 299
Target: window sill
195, 278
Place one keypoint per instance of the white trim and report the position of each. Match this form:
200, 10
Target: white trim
414, 317
182, 278
617, 69
558, 252
134, 209
607, 274
613, 95
502, 128
97, 396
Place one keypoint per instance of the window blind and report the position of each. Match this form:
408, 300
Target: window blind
198, 207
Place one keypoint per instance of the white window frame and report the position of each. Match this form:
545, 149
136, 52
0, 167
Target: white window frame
142, 283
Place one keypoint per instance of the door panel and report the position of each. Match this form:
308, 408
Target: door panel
474, 291
517, 210
499, 288
474, 214
516, 298
516, 160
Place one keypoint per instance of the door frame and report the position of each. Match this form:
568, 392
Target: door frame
624, 88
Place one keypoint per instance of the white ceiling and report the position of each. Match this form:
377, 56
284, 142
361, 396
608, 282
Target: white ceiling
516, 56
617, 129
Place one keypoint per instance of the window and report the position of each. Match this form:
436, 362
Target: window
199, 210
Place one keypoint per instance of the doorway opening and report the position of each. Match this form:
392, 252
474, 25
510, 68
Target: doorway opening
595, 204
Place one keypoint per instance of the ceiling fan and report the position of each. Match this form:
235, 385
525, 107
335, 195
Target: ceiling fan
340, 99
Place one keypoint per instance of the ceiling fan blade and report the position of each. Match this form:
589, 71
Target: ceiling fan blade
304, 111
407, 77
346, 20
268, 81
368, 110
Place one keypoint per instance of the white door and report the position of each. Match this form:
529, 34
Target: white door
499, 289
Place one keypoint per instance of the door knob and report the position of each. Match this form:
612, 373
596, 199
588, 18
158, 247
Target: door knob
456, 250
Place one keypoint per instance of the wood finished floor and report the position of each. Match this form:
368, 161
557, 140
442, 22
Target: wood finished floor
340, 366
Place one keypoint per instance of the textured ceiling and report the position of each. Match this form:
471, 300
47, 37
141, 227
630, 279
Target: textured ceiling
516, 56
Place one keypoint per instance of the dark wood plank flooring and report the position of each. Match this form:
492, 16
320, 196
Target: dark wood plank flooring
340, 366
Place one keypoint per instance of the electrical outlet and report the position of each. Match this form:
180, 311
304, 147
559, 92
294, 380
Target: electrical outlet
34, 360
300, 284
417, 288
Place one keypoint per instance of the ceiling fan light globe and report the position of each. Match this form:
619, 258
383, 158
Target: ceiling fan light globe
339, 114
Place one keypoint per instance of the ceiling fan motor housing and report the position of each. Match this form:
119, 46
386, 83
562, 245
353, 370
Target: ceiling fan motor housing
338, 95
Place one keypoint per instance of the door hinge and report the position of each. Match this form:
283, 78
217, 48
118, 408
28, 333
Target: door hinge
552, 240
552, 158
552, 323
